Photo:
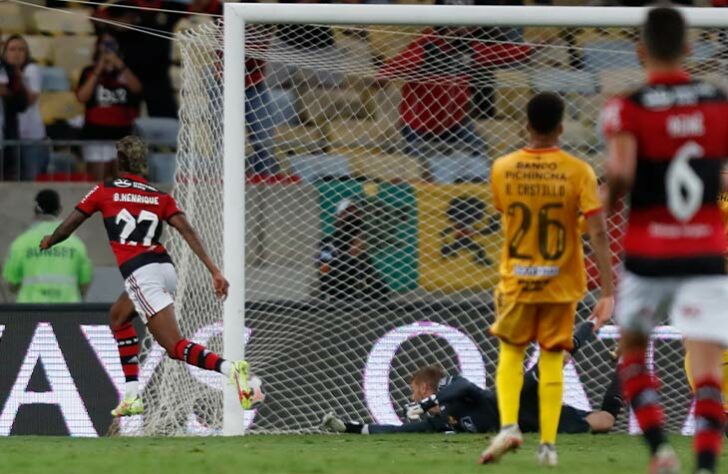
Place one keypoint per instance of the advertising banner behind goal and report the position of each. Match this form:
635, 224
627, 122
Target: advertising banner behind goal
61, 373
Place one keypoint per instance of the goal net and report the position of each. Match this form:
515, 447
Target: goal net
371, 242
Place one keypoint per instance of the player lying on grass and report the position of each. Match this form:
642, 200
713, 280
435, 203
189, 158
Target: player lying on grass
443, 403
133, 213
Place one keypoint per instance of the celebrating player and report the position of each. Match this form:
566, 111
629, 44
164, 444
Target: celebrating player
442, 403
667, 142
541, 192
133, 212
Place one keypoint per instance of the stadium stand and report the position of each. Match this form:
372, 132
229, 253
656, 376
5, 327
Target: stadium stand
611, 81
162, 167
158, 130
356, 133
314, 167
282, 106
381, 166
352, 118
501, 135
448, 169
73, 53
564, 81
56, 106
42, 48
608, 54
299, 139
11, 19
60, 22
55, 79
387, 41
511, 94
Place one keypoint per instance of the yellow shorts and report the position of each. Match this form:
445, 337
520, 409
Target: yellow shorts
550, 324
691, 382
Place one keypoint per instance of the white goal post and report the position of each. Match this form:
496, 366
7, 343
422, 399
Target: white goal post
429, 232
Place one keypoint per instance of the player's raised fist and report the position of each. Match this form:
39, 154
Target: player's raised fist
45, 243
220, 284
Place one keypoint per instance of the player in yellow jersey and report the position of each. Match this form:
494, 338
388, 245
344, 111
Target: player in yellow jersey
691, 382
541, 191
723, 204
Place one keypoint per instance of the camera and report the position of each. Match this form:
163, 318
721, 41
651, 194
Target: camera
110, 46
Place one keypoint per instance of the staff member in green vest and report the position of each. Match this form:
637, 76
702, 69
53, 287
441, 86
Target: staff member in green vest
58, 275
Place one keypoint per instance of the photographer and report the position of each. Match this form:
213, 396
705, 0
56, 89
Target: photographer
346, 267
15, 100
111, 94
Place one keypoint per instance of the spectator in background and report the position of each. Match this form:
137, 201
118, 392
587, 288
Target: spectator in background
111, 93
258, 119
306, 47
33, 158
14, 101
483, 100
59, 275
148, 56
346, 268
438, 68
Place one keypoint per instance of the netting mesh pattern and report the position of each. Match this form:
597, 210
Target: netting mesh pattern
372, 244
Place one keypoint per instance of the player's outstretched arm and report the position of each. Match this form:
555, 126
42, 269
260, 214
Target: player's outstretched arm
600, 244
621, 165
183, 226
64, 230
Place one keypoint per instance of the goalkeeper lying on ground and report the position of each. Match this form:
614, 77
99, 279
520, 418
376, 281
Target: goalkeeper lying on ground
445, 403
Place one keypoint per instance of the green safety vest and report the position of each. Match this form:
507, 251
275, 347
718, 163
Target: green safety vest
48, 276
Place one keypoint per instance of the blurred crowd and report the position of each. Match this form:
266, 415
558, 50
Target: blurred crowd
129, 76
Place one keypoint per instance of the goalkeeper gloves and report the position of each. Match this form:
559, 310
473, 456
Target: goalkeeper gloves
417, 409
414, 412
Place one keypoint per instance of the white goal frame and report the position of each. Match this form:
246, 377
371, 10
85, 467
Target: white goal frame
237, 15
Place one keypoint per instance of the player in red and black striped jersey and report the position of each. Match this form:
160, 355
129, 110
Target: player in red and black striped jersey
668, 141
134, 213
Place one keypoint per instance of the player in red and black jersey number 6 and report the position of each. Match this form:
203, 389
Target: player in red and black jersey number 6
667, 144
133, 213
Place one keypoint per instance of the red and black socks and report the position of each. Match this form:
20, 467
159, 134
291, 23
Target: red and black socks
709, 420
197, 355
127, 343
640, 389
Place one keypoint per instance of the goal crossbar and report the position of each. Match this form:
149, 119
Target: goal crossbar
446, 15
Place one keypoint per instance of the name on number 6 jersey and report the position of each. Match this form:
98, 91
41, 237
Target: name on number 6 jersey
675, 226
133, 213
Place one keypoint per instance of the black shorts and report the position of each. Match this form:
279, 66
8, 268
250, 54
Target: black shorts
573, 420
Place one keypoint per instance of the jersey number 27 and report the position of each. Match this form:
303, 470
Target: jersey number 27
132, 232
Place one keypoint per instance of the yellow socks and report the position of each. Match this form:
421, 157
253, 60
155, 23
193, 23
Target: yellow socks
509, 381
550, 392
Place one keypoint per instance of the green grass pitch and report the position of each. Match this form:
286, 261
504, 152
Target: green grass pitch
319, 454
